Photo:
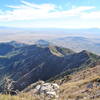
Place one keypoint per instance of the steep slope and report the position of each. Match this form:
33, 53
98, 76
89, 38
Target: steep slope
46, 68
31, 63
8, 47
83, 85
5, 48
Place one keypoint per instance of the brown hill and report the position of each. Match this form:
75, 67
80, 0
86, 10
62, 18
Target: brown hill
83, 85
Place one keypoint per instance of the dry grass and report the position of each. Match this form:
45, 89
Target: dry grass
77, 90
24, 96
19, 97
80, 82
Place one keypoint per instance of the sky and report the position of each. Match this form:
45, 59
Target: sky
50, 13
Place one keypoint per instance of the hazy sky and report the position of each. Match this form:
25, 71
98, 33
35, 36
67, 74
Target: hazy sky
50, 13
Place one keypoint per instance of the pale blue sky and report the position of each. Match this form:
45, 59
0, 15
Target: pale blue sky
50, 13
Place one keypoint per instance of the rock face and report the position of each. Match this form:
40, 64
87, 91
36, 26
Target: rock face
50, 90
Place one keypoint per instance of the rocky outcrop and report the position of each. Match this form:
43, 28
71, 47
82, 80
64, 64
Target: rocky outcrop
43, 90
50, 90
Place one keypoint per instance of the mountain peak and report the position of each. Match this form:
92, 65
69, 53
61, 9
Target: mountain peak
42, 43
16, 44
85, 51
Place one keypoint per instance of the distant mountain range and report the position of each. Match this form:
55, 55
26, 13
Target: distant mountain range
82, 32
26, 64
78, 43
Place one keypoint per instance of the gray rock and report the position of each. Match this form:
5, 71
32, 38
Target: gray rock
50, 90
90, 85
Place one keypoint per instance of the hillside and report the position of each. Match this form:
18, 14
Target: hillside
27, 64
81, 85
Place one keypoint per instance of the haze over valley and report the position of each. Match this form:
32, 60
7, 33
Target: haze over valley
77, 39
